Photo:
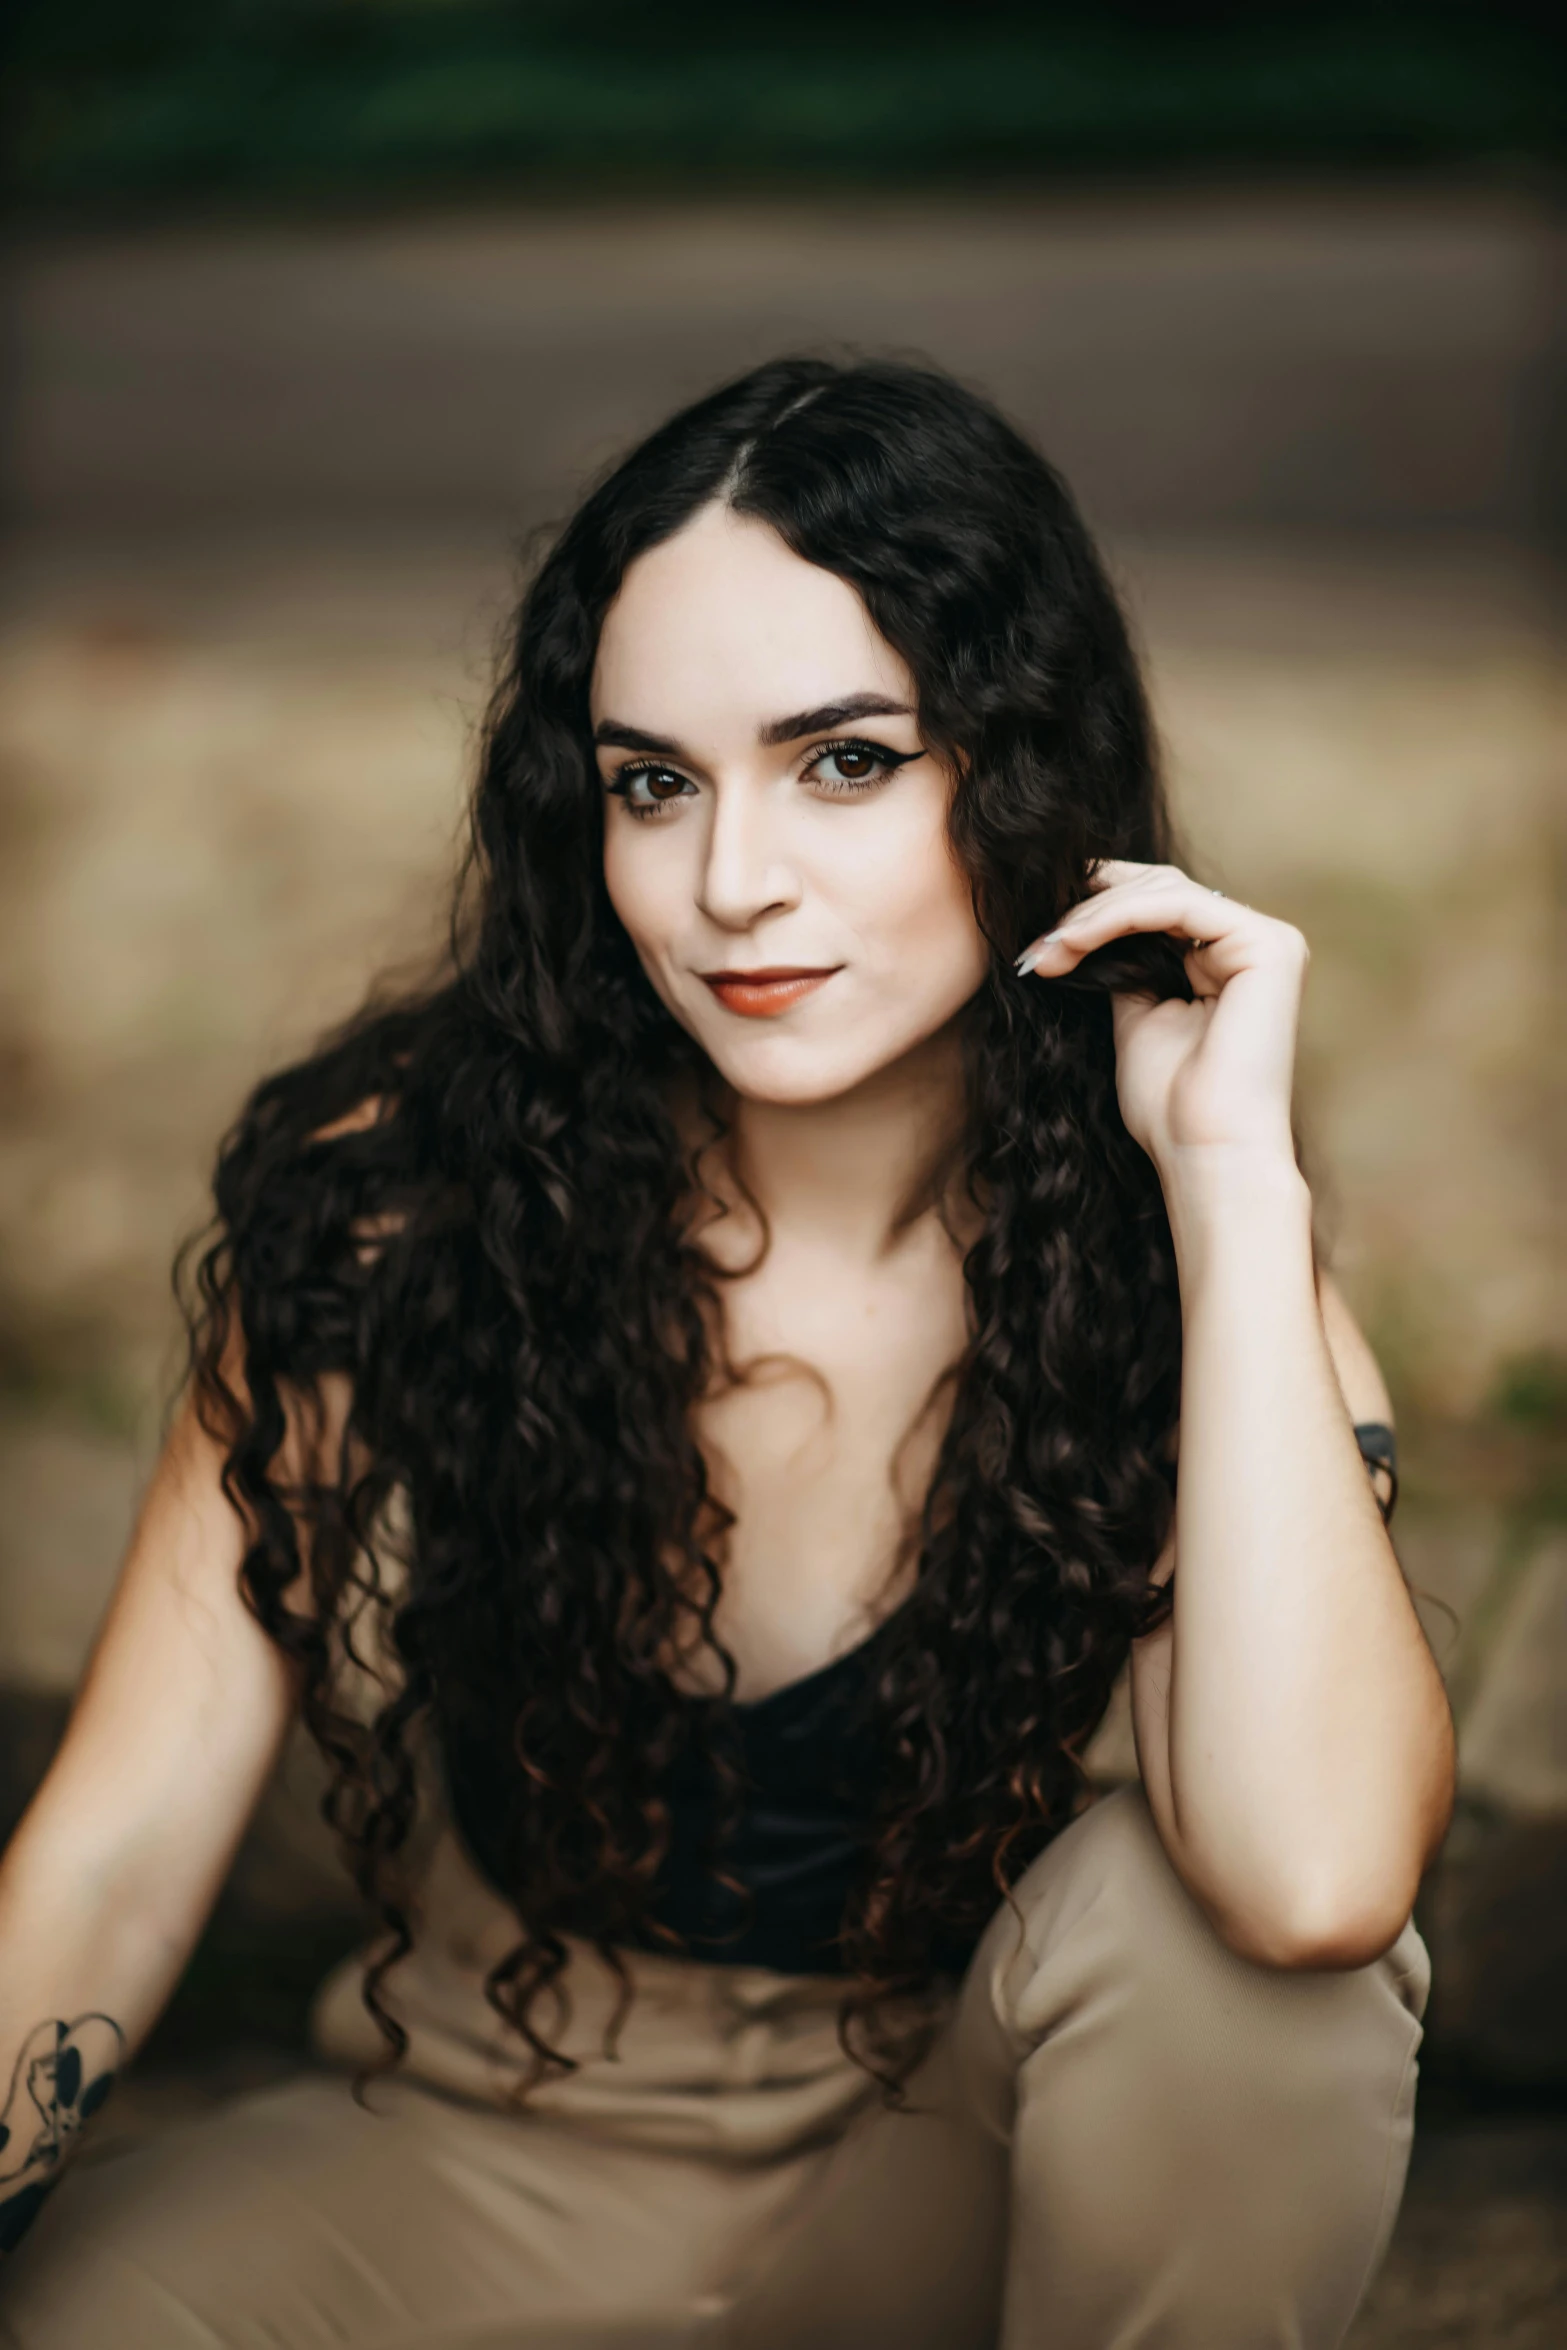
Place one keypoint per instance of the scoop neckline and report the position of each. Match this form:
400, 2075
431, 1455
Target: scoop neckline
834, 1664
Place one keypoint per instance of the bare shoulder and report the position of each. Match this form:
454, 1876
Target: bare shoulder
1359, 1374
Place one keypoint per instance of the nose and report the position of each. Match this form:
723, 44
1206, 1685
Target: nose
745, 873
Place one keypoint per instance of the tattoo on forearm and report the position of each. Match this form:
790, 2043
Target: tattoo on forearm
63, 2074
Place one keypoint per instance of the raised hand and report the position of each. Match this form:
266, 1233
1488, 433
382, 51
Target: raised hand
1216, 1073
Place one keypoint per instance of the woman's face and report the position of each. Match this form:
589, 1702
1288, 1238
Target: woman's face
775, 836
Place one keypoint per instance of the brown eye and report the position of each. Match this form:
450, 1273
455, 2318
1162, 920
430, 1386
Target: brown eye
645, 789
852, 767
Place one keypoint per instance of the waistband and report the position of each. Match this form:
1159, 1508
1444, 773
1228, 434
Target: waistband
737, 2062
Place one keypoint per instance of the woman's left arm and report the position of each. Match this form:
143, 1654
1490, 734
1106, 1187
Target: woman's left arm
1295, 1739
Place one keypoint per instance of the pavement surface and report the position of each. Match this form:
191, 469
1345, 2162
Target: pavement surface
1360, 361
1479, 2257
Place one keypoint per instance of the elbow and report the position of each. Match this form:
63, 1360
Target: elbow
1318, 1930
1321, 1898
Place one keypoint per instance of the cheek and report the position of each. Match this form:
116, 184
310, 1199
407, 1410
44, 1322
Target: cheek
913, 906
647, 888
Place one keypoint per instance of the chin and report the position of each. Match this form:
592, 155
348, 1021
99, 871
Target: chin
797, 1072
792, 1089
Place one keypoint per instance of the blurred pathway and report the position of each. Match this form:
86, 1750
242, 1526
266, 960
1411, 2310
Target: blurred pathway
1328, 362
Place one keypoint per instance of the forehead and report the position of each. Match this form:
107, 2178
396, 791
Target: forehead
724, 621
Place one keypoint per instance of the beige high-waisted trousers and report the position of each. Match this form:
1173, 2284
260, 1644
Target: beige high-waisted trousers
1126, 2136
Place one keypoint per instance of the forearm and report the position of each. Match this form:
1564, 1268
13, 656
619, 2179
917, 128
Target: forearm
113, 1872
85, 1968
1309, 1747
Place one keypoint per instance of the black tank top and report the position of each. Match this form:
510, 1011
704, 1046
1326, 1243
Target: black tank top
809, 1766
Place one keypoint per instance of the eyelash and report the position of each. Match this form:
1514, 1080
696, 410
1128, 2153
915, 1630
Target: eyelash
887, 763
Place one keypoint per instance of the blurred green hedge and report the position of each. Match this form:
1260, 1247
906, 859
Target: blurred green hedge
180, 99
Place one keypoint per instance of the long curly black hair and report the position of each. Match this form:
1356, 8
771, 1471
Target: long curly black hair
468, 1209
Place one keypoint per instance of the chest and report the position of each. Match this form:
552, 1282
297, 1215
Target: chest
824, 1446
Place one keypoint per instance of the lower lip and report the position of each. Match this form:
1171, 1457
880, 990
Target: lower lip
764, 999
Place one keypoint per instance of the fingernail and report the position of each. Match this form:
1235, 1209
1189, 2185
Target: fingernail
1029, 959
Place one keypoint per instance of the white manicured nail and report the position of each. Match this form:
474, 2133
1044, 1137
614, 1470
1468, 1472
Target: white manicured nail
1029, 959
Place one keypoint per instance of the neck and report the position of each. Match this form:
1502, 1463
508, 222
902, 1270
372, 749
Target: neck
855, 1171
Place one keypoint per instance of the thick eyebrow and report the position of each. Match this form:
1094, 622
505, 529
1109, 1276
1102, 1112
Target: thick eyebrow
631, 738
831, 714
613, 736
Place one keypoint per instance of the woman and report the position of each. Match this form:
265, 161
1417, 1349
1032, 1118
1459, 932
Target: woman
705, 1399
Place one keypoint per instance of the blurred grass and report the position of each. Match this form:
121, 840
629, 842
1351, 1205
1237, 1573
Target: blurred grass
356, 99
1531, 1392
1509, 1459
1511, 1452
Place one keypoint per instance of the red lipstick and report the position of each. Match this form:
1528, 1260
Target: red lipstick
762, 995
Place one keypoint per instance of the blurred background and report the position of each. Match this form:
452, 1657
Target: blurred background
316, 308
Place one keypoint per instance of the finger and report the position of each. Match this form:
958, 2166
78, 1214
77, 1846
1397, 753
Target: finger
1156, 898
1114, 882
